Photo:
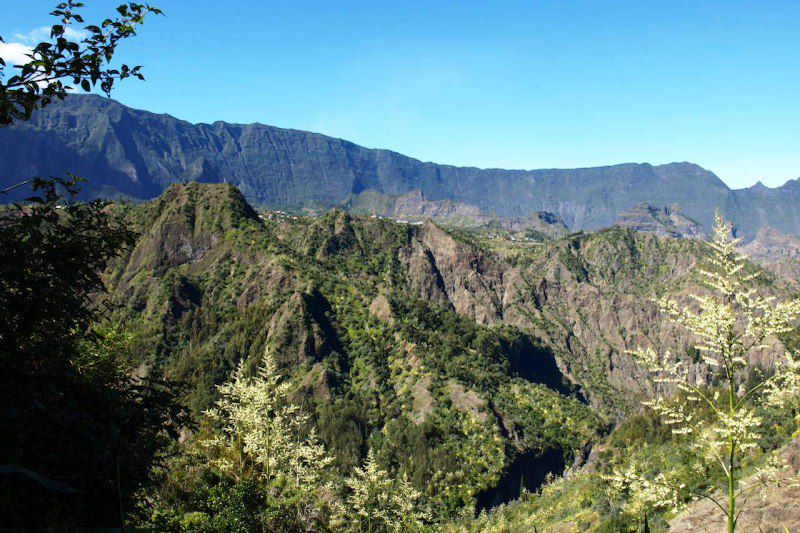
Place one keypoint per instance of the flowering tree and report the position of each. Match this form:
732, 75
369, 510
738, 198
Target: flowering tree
260, 436
379, 503
730, 324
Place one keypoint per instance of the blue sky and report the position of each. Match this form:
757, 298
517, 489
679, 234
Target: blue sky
488, 84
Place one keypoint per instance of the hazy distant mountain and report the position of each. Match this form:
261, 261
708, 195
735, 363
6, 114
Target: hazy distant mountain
776, 252
414, 206
137, 154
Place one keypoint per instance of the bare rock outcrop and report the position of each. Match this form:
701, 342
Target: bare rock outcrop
662, 221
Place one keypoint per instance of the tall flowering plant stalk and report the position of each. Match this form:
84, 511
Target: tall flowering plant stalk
260, 433
377, 502
729, 324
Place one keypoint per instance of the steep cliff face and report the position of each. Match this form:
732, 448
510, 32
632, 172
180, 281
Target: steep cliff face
587, 297
126, 152
776, 252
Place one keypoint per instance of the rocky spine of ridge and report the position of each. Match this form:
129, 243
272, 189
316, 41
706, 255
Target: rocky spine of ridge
661, 221
415, 207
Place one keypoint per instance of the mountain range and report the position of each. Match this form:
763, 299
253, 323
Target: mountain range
136, 154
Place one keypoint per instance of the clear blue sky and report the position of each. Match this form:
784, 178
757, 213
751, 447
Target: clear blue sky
490, 84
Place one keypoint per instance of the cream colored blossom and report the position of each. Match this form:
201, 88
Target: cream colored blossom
261, 434
640, 493
729, 324
377, 502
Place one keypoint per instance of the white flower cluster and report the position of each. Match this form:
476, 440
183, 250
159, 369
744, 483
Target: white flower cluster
641, 493
729, 324
377, 502
260, 433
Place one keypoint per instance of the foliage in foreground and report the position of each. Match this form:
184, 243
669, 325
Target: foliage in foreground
59, 62
375, 501
713, 431
81, 432
264, 474
722, 426
582, 501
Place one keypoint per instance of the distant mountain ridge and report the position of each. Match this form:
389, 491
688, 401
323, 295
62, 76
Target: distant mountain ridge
138, 154
413, 206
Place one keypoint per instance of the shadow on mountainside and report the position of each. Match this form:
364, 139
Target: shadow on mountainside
537, 364
530, 470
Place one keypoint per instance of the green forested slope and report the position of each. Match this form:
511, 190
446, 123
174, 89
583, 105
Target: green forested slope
473, 364
209, 283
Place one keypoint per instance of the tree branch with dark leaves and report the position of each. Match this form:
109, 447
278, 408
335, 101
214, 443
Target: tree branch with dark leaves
60, 65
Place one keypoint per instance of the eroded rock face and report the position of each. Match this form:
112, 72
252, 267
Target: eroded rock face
470, 281
467, 401
588, 297
190, 221
770, 244
381, 309
664, 222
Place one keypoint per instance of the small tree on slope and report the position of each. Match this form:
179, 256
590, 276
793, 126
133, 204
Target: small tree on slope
260, 437
378, 503
730, 324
